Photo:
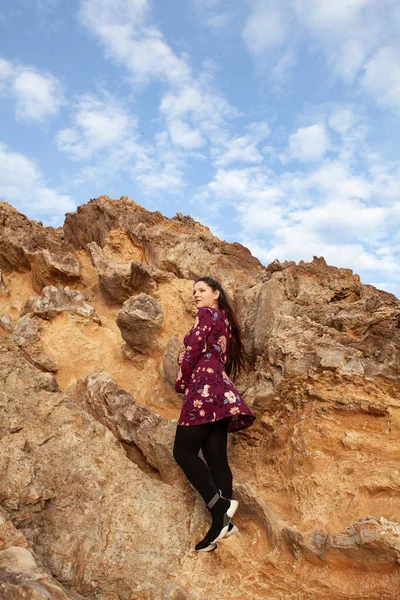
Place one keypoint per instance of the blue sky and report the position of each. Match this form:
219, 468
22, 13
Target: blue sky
274, 122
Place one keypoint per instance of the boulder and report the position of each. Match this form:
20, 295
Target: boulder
6, 323
26, 332
132, 423
139, 321
55, 300
26, 335
170, 360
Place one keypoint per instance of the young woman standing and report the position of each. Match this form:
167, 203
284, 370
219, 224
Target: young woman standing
212, 406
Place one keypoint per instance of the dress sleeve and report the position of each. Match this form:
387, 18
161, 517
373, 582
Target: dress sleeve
196, 346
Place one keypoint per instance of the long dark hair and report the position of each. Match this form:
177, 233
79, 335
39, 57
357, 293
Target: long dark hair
235, 359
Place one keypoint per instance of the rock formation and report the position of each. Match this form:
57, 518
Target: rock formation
92, 504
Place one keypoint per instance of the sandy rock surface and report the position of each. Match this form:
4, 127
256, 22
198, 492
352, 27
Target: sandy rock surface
92, 500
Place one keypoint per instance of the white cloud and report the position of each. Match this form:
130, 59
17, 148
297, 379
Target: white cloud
182, 134
309, 144
97, 125
23, 185
104, 131
335, 208
37, 96
212, 14
266, 27
244, 148
347, 32
128, 37
381, 77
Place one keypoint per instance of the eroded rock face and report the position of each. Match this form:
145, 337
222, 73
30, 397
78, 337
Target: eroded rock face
53, 301
26, 244
170, 360
26, 336
139, 320
83, 477
131, 422
114, 278
87, 510
312, 317
21, 576
180, 245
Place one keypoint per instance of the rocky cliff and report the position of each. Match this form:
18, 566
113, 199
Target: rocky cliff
92, 504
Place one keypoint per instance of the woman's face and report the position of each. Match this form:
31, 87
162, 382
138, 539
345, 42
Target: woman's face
203, 295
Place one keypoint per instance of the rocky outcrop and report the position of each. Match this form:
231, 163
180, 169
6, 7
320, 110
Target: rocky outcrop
21, 576
118, 281
88, 478
87, 510
114, 278
138, 427
26, 336
26, 244
140, 320
56, 300
170, 360
52, 268
311, 317
180, 245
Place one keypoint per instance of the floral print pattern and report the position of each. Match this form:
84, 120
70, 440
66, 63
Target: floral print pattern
209, 394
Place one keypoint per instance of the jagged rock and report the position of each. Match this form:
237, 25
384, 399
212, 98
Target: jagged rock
130, 422
139, 320
52, 269
96, 518
180, 245
370, 543
54, 301
21, 576
3, 286
118, 281
6, 323
313, 317
141, 278
321, 374
26, 332
27, 245
114, 277
26, 335
170, 360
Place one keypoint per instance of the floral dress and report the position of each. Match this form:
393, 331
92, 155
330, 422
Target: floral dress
209, 394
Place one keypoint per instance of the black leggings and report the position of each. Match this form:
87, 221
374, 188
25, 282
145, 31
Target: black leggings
214, 474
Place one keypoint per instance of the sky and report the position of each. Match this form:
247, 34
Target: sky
276, 123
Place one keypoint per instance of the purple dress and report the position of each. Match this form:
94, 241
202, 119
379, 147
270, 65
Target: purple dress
209, 394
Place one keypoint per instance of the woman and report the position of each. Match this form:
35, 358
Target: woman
212, 406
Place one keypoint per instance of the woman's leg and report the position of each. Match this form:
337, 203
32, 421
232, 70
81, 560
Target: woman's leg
188, 441
215, 454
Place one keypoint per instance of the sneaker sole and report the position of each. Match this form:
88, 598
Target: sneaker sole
209, 548
231, 532
227, 519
